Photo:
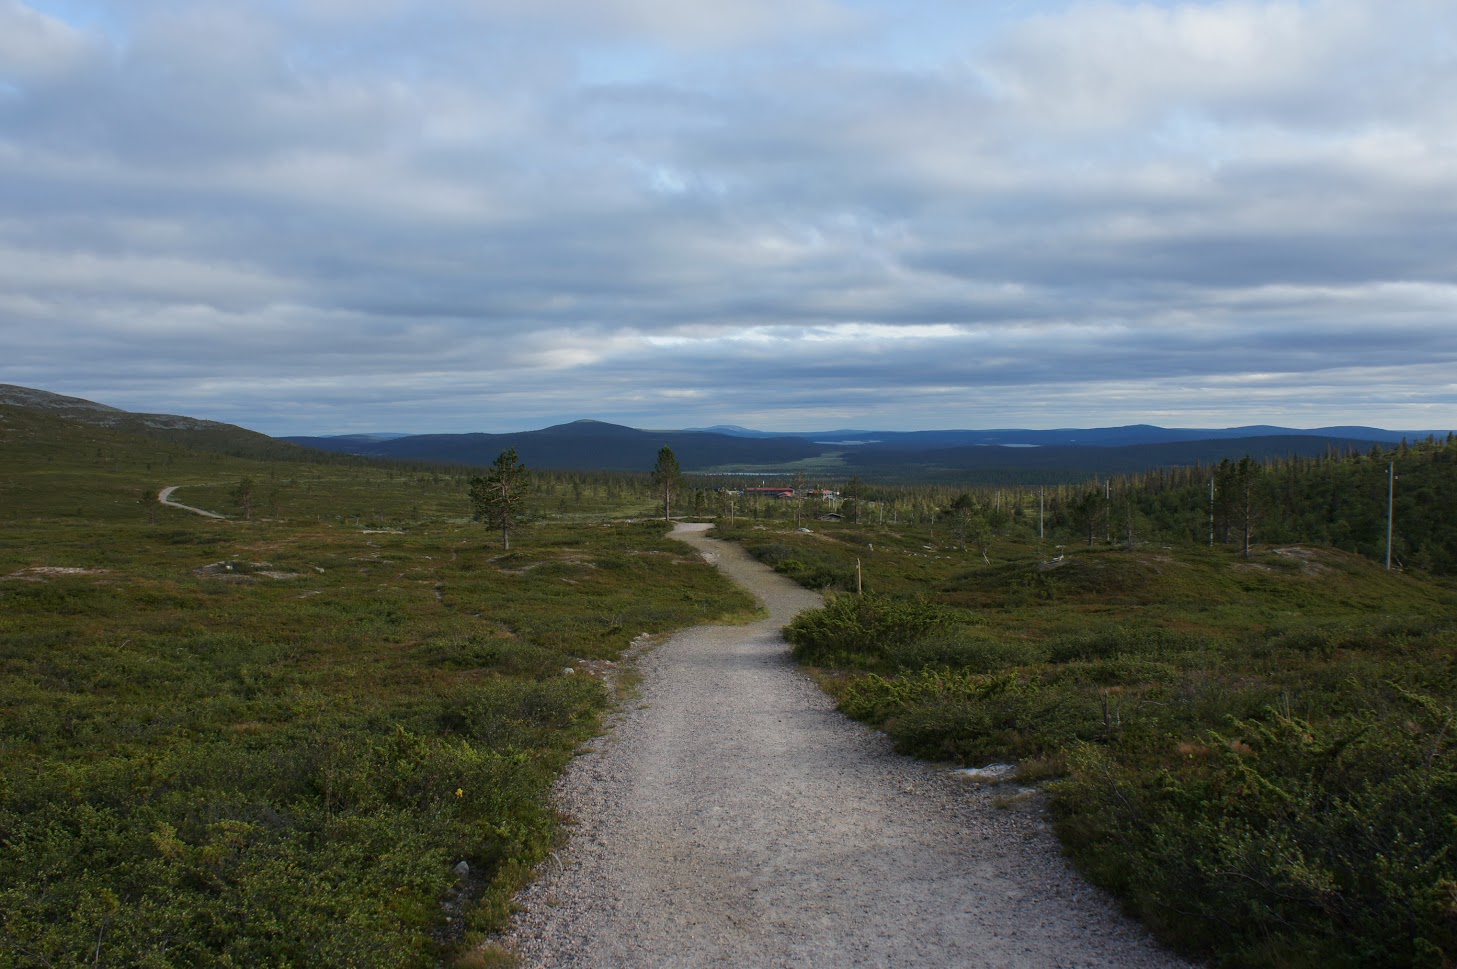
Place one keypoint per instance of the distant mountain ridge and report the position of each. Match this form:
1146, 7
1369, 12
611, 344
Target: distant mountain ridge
580, 445
1123, 436
1015, 453
1011, 454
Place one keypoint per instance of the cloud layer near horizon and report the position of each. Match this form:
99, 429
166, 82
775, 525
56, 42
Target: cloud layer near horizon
335, 215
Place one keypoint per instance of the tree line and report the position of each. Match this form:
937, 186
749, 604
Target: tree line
1346, 501
1339, 499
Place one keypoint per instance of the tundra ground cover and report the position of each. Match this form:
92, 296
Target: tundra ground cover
1255, 755
271, 742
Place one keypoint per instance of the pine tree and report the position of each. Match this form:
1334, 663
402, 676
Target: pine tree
497, 496
242, 496
667, 476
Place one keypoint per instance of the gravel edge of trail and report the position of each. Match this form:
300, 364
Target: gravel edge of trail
679, 854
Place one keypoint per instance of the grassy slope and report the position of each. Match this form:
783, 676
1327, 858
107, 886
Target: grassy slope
268, 742
1253, 755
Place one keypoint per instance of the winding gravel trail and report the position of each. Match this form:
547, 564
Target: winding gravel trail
732, 818
164, 497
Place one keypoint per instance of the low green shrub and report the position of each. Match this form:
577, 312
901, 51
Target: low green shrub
810, 568
1121, 641
865, 630
1280, 842
968, 717
962, 647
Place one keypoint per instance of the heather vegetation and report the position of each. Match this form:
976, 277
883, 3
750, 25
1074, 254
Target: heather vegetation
1252, 749
271, 740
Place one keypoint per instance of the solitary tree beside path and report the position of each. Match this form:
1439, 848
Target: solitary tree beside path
666, 478
497, 496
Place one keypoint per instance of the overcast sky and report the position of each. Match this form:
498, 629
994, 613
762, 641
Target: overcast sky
348, 215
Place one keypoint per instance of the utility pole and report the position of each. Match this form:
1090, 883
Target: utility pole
1211, 512
1390, 508
1108, 511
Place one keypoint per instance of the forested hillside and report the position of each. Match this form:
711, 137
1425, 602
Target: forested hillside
1333, 500
1338, 499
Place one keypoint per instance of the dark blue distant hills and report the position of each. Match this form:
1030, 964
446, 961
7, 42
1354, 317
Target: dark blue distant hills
1129, 434
1010, 453
965, 456
580, 445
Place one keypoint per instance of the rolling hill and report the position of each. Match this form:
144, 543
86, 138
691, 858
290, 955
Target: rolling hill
190, 432
1006, 455
581, 445
998, 455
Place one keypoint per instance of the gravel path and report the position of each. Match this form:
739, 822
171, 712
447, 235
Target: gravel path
732, 818
164, 497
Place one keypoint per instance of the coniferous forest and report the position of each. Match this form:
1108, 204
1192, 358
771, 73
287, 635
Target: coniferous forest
1338, 500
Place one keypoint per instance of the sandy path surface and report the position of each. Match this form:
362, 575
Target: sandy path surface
732, 818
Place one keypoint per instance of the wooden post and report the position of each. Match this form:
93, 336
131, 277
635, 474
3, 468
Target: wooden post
859, 580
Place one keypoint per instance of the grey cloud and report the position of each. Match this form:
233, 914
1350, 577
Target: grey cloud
450, 210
